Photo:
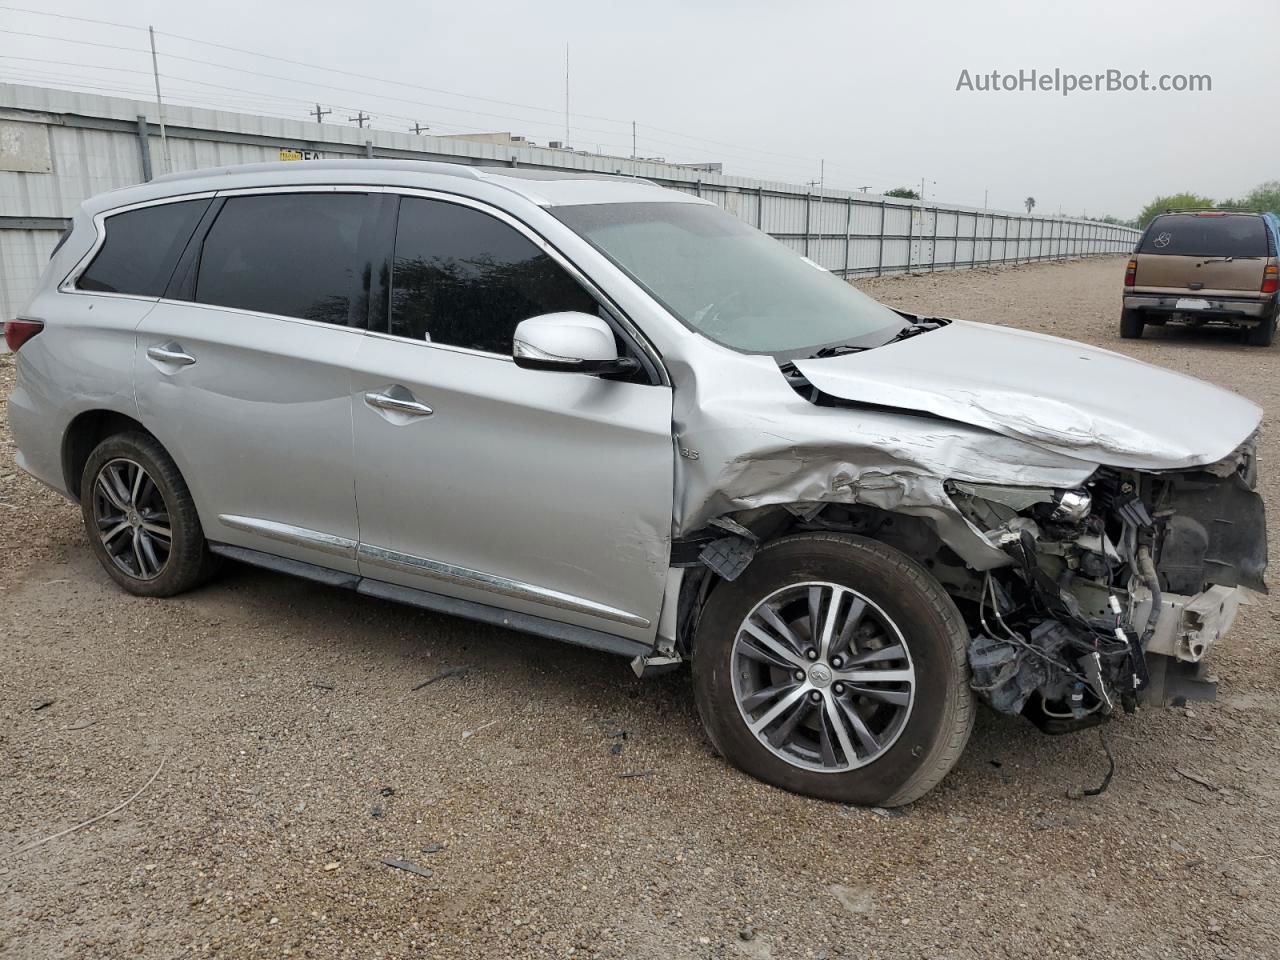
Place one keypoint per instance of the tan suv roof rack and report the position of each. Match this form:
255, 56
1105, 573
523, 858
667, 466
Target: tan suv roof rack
1208, 210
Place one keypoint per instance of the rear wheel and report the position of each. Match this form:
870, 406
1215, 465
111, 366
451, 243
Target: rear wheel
1263, 332
1131, 324
835, 667
140, 518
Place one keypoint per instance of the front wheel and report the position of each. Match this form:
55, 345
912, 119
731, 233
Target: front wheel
835, 666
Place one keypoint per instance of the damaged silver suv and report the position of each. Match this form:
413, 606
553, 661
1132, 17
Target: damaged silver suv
596, 410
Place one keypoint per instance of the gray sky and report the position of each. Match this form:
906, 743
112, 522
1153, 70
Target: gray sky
767, 88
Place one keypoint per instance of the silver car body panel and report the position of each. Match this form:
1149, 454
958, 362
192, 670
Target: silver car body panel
296, 536
1064, 396
259, 425
560, 482
531, 477
488, 583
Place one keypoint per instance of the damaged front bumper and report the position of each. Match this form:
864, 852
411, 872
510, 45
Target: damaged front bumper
1115, 592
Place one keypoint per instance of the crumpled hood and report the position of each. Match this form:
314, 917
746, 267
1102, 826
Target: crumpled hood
1057, 394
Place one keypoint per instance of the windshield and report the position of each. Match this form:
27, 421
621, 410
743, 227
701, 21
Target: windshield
1205, 235
730, 282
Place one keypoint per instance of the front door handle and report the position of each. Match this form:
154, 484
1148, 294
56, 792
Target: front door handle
398, 400
170, 352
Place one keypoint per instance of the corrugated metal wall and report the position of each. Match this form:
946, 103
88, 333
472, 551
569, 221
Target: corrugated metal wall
100, 143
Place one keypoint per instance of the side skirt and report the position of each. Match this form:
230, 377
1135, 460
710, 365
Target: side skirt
467, 609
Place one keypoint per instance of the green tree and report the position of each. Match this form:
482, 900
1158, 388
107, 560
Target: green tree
1265, 198
1173, 201
903, 193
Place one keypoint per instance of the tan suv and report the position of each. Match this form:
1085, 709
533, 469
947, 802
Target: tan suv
1205, 266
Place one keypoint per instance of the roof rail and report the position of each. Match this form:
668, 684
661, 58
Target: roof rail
1207, 210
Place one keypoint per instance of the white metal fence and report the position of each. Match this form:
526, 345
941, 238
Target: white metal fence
58, 147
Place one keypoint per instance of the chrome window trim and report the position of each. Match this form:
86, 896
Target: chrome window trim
259, 313
492, 583
633, 332
297, 536
68, 284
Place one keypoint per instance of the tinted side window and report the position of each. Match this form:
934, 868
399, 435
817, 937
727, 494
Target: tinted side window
291, 254
1192, 235
141, 248
464, 278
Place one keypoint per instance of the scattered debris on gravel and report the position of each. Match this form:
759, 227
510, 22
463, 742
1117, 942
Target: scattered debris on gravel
282, 709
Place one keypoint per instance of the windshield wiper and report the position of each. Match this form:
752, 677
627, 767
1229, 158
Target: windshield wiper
836, 350
913, 329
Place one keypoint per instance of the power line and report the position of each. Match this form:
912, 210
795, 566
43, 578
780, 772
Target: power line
67, 16
302, 63
741, 150
242, 99
269, 76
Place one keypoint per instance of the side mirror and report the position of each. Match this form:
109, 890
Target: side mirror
570, 342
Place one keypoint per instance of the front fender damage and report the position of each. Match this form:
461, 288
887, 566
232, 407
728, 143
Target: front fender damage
1086, 587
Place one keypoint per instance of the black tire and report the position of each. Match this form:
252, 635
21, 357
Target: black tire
934, 732
188, 561
1131, 324
1262, 333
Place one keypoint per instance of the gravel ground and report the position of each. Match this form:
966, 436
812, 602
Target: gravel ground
560, 807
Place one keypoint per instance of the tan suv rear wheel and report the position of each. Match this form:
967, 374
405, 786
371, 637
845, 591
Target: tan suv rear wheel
1131, 324
1264, 331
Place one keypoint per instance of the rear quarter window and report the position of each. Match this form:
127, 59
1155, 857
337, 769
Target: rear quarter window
1192, 235
141, 248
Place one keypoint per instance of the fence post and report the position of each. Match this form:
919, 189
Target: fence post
955, 242
760, 208
848, 235
144, 148
933, 244
880, 251
911, 230
808, 218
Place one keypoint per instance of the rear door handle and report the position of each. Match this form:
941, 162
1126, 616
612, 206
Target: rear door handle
170, 352
398, 400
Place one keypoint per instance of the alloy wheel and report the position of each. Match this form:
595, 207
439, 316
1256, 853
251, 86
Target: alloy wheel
822, 677
132, 519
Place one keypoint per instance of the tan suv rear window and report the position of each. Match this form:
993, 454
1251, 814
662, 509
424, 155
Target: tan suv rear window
1196, 235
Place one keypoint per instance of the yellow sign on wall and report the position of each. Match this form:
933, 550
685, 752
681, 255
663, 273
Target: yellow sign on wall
291, 154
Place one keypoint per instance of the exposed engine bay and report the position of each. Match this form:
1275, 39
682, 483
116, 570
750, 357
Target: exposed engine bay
1117, 590
1097, 545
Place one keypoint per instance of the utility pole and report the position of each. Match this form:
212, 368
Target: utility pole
319, 113
361, 118
419, 129
566, 95
155, 72
863, 189
633, 139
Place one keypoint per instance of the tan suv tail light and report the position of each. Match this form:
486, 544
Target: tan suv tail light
1130, 273
1270, 278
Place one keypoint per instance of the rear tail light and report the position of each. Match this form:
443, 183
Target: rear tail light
1130, 272
18, 332
1271, 279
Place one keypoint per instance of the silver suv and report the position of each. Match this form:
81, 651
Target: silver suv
592, 409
